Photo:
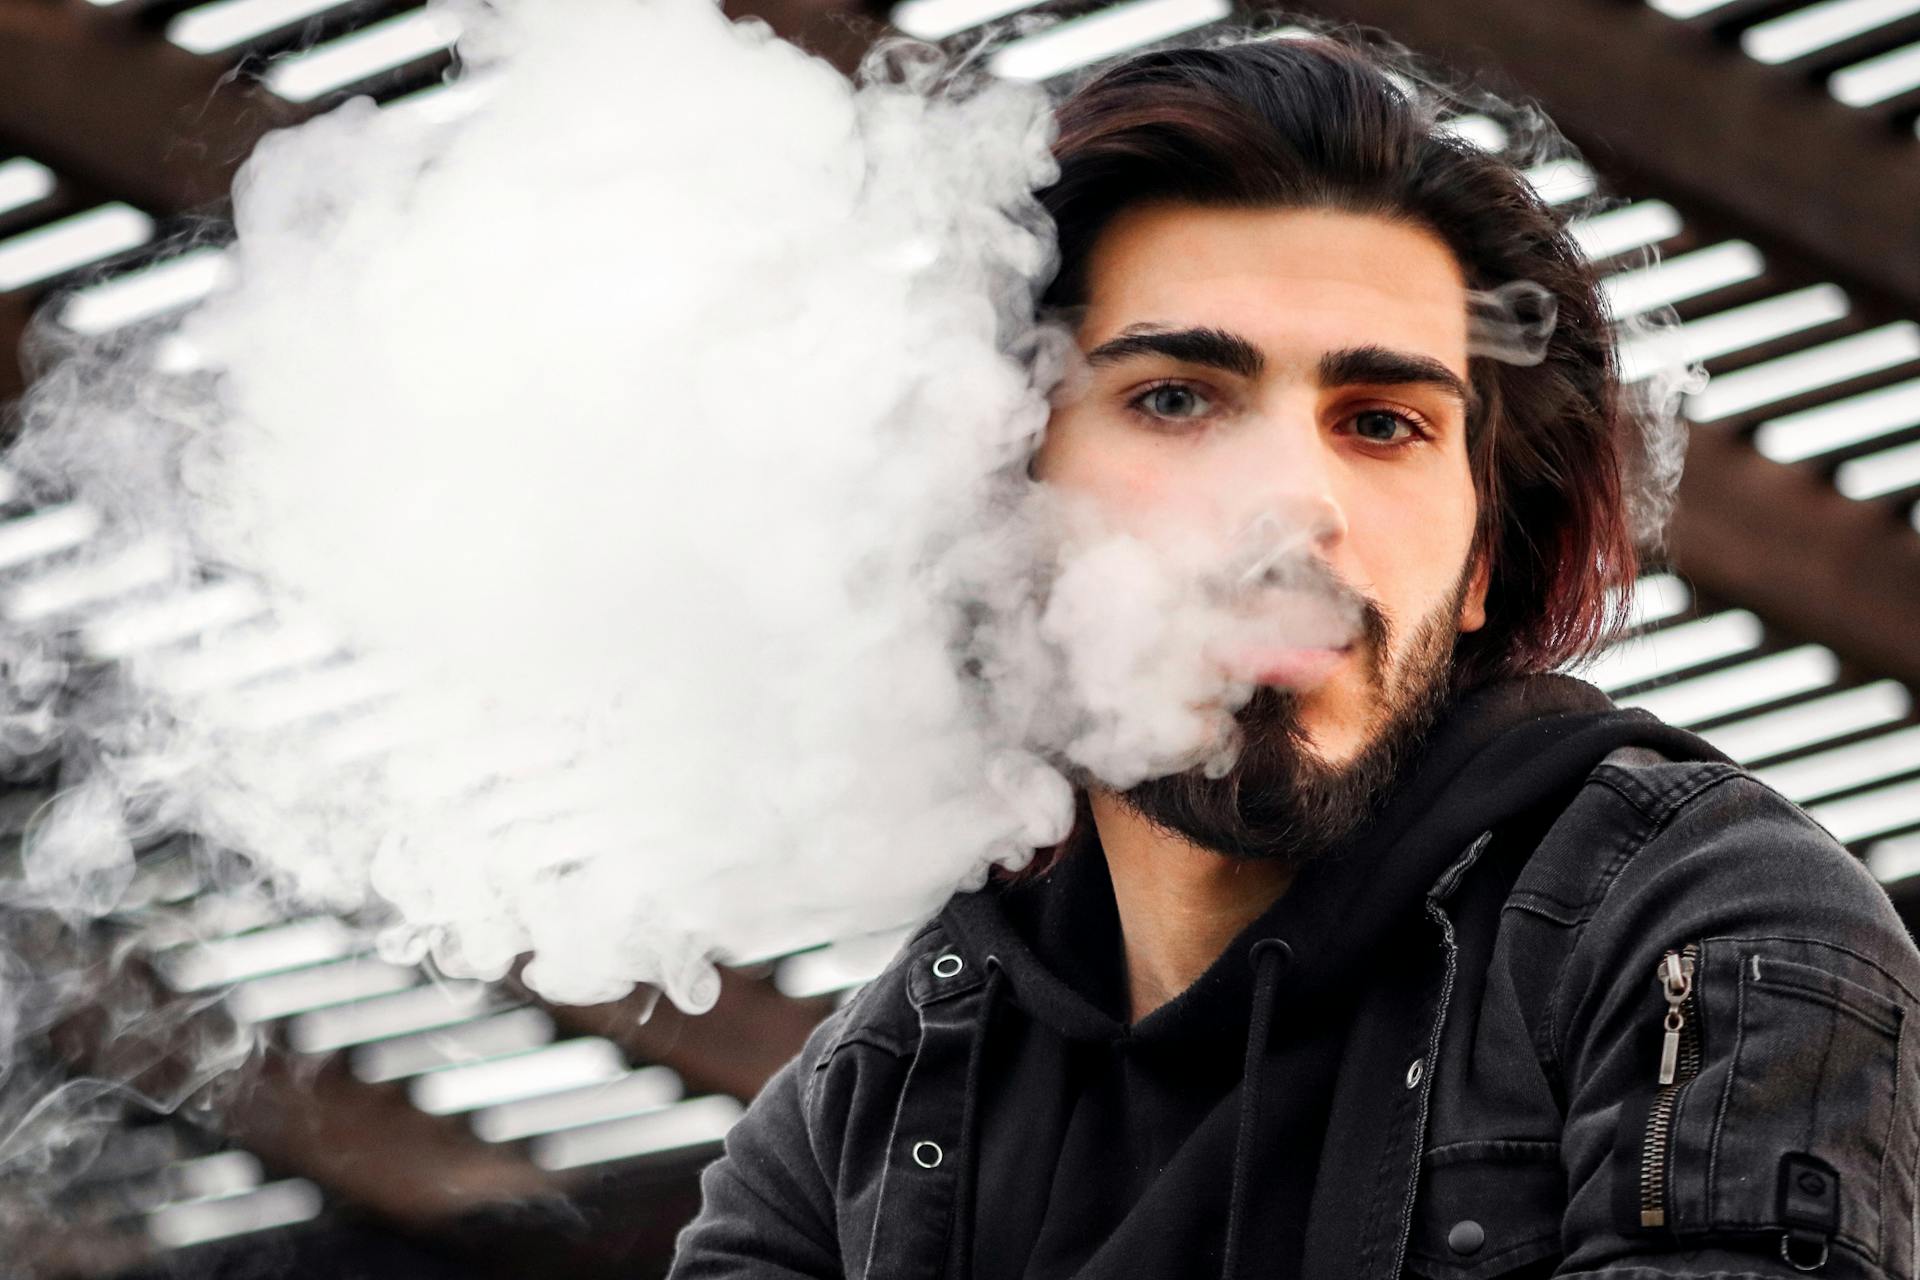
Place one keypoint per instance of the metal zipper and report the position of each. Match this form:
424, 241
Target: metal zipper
1679, 1063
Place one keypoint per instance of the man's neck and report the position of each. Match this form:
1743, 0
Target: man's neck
1180, 904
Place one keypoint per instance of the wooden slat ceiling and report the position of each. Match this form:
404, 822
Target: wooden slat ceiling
1788, 635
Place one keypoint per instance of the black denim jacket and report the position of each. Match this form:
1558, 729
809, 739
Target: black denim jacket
1522, 1126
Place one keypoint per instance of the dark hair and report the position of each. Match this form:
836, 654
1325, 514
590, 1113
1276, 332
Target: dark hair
1321, 122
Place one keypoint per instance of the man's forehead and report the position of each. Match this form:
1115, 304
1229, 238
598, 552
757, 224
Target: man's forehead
1295, 283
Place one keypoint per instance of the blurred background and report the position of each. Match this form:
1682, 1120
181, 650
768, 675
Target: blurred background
1768, 151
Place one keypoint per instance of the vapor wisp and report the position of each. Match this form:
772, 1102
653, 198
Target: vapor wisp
603, 518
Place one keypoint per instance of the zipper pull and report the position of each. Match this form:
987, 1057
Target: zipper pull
1676, 974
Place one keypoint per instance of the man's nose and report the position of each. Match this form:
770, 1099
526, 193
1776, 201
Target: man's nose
1294, 482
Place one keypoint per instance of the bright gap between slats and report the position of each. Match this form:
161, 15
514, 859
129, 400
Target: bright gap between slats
1770, 679
1687, 275
1823, 719
1784, 377
212, 28
22, 182
1804, 31
1878, 474
1726, 332
59, 247
1864, 84
302, 77
1809, 433
937, 19
1079, 41
1658, 653
151, 291
1617, 231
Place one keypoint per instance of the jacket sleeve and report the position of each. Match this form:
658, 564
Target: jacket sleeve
767, 1210
1792, 1131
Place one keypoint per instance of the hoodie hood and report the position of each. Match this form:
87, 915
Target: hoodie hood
1497, 753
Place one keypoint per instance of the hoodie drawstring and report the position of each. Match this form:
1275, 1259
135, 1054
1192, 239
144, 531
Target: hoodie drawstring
960, 1260
1270, 958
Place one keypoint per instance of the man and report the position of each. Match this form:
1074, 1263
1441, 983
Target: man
1460, 971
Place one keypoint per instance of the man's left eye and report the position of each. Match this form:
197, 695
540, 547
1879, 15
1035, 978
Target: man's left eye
1383, 426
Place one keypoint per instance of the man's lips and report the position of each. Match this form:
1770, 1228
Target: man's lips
1286, 666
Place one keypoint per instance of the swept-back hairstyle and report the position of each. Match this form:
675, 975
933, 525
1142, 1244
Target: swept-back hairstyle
1320, 122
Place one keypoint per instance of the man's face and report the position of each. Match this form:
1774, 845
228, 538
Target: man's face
1304, 361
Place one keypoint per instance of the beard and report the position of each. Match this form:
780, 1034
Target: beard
1282, 802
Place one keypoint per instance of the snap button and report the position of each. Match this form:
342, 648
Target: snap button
1466, 1236
928, 1155
1415, 1073
947, 965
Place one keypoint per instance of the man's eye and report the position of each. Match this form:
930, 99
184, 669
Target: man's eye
1171, 400
1383, 426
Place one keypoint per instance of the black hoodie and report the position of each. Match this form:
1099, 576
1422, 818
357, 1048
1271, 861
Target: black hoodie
1194, 1139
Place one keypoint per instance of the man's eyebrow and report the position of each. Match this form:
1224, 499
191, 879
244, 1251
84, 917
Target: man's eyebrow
1384, 366
1215, 348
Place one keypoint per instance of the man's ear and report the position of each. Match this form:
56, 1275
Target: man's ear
1473, 601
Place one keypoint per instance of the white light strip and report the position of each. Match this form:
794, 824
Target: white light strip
1879, 474
1819, 720
1686, 275
443, 103
224, 1173
1865, 84
312, 695
938, 19
696, 1122
59, 247
514, 1031
197, 966
1657, 597
1480, 131
1658, 653
415, 1009
211, 28
1895, 859
134, 568
1635, 226
282, 995
302, 77
838, 965
568, 1065
278, 1204
1560, 182
230, 663
1855, 420
1841, 768
1101, 34
45, 532
1734, 330
1771, 381
23, 182
1872, 814
1818, 26
636, 1093
1769, 679
140, 628
148, 292
1684, 9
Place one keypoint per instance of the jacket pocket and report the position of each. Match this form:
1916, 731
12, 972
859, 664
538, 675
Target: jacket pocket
1801, 1069
1488, 1208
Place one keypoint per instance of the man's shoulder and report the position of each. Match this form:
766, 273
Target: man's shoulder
1645, 824
881, 1014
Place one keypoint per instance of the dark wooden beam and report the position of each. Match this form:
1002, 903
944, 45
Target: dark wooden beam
1701, 121
108, 103
1781, 541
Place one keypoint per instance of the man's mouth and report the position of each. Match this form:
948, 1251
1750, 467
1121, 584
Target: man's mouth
1285, 666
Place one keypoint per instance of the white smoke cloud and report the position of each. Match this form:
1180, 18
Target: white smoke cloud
632, 474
